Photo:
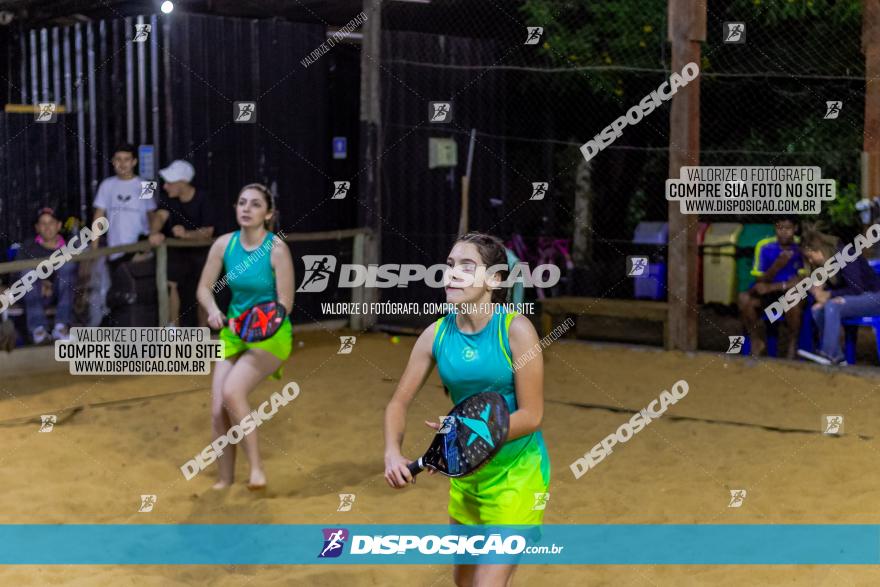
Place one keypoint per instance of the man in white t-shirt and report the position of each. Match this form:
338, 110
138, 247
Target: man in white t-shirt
129, 215
119, 200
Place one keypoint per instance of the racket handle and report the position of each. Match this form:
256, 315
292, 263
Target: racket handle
415, 467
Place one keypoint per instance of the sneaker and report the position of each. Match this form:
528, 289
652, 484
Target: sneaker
822, 358
40, 336
60, 332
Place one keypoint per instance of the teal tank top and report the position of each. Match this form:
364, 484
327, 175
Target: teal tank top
470, 363
249, 274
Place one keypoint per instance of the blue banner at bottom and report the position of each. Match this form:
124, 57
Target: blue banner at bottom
259, 544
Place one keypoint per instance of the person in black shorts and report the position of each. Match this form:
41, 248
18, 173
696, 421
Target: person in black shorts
185, 214
778, 266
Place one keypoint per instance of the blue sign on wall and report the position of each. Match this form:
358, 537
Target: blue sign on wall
340, 147
146, 162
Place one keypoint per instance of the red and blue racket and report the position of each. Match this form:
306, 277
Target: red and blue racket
259, 322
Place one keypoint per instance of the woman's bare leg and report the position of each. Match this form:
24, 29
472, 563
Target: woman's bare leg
493, 575
253, 367
220, 423
463, 575
482, 575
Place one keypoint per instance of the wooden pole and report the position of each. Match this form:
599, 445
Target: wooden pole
162, 283
871, 146
370, 211
687, 28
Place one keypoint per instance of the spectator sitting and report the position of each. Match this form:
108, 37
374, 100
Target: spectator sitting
60, 283
853, 291
778, 263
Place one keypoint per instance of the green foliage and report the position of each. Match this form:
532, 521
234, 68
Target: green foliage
606, 33
840, 214
781, 12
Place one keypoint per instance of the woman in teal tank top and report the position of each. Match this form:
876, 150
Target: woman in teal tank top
255, 270
474, 350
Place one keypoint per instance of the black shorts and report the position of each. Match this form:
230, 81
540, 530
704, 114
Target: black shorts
185, 264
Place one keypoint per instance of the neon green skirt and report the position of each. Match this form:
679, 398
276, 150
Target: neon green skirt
279, 344
504, 490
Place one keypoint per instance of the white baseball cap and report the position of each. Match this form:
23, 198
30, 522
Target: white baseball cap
179, 170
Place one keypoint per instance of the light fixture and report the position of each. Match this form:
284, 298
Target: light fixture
167, 6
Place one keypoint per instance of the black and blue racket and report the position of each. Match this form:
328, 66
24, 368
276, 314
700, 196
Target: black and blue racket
470, 436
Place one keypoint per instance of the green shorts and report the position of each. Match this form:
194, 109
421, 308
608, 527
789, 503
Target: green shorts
279, 344
504, 491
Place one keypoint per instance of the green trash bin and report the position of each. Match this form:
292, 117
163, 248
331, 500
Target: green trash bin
745, 252
719, 263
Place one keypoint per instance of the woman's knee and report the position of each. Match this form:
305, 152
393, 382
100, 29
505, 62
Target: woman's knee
219, 421
229, 392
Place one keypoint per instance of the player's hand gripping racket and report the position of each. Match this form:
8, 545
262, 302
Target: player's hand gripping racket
470, 436
258, 323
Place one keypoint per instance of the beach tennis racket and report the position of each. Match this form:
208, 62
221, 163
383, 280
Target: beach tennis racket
470, 436
258, 323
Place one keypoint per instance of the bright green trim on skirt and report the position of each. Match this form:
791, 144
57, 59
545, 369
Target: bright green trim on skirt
503, 492
279, 344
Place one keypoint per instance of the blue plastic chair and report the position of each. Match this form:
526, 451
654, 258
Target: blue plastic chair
851, 326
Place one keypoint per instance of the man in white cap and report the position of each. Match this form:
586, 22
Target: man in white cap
183, 214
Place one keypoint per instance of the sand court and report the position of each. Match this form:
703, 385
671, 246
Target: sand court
743, 424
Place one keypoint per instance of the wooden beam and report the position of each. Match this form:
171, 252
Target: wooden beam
871, 146
687, 28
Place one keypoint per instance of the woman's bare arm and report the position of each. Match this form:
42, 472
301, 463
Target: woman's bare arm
210, 273
529, 379
282, 263
419, 367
